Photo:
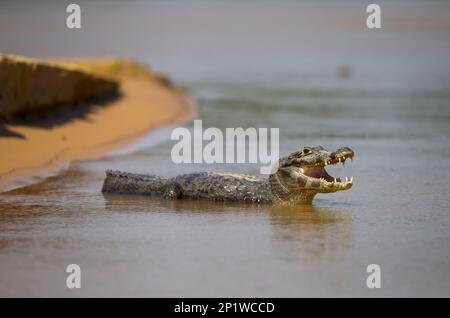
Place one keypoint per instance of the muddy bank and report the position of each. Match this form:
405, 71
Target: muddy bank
32, 85
78, 131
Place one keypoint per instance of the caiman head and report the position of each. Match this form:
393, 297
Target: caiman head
301, 175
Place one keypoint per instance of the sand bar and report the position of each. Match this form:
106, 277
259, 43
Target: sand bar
88, 131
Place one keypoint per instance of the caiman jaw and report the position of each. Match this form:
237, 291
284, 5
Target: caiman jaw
317, 174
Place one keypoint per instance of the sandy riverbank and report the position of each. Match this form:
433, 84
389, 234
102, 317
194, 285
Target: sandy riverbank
37, 145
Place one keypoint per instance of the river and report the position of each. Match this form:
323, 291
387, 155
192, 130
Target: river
311, 69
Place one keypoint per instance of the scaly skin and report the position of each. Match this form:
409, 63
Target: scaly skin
299, 177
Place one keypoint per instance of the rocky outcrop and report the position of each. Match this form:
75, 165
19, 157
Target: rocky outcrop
28, 85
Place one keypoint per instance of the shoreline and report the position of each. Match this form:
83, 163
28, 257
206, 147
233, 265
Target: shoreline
147, 102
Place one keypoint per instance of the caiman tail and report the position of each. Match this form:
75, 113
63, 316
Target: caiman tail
132, 183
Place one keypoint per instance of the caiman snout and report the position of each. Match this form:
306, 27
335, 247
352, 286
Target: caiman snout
342, 153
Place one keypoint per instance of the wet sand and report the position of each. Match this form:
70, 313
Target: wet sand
87, 131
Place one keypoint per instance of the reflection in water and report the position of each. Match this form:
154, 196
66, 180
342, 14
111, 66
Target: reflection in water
316, 230
117, 203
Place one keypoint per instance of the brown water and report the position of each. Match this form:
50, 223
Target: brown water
267, 65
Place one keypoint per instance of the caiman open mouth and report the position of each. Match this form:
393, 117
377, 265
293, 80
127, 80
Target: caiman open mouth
317, 171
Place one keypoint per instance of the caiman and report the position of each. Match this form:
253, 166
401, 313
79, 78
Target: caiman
299, 177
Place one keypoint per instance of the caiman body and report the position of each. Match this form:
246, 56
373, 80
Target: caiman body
299, 177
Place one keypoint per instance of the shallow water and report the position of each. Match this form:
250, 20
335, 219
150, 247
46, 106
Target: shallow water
392, 108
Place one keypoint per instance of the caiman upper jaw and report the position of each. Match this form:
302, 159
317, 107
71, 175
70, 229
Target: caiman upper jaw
340, 156
319, 176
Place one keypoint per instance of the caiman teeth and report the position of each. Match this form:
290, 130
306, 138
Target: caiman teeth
336, 182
